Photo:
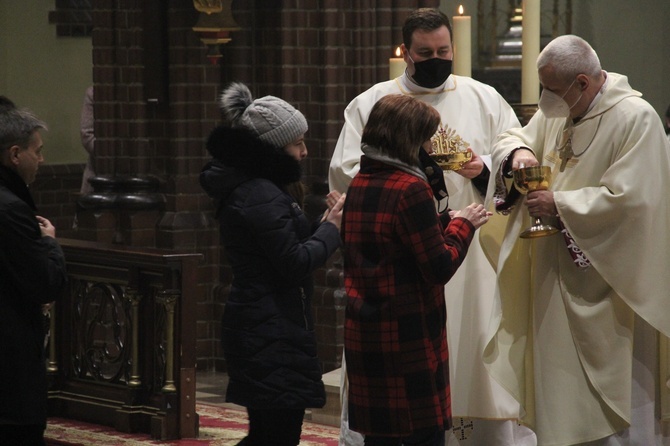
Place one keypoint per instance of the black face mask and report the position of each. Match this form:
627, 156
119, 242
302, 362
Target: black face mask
431, 73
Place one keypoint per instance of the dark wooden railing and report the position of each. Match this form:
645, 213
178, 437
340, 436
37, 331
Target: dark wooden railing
122, 345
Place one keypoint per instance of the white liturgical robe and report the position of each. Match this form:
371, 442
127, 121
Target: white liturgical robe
476, 113
569, 312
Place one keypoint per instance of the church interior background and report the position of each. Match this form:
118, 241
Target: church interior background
157, 76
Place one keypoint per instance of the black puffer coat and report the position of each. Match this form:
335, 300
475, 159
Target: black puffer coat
268, 337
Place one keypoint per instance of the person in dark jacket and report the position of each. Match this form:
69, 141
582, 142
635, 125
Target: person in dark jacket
32, 275
268, 332
398, 254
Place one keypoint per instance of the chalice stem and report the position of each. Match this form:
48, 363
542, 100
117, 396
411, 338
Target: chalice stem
530, 179
538, 229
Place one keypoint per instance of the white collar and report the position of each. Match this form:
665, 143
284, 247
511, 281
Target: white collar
408, 86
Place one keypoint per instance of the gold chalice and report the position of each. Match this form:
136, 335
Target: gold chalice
529, 179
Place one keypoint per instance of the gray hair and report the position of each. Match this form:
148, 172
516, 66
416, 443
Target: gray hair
17, 128
570, 55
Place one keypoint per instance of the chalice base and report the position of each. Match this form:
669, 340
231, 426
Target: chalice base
539, 230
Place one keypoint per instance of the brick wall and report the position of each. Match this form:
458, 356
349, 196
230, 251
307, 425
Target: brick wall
55, 191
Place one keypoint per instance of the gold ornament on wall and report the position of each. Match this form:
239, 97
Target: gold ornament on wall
214, 25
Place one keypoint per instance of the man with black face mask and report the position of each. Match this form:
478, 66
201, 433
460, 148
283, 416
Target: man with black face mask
473, 114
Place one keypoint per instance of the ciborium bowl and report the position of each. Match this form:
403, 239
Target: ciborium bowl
451, 160
529, 179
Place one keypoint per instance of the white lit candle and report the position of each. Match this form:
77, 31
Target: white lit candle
397, 65
462, 44
530, 49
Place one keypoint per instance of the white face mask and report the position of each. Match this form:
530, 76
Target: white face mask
554, 106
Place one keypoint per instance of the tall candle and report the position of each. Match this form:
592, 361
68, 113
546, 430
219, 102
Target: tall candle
462, 44
530, 49
397, 65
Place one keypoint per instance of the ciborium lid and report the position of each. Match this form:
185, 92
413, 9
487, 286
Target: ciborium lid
450, 151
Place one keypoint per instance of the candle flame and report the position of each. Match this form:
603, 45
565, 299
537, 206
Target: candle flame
460, 10
397, 52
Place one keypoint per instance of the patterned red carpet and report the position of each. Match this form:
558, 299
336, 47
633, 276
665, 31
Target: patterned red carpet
218, 427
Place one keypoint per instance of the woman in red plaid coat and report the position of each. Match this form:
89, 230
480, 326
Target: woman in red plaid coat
398, 254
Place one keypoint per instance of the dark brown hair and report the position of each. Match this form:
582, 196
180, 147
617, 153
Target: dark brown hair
425, 19
398, 125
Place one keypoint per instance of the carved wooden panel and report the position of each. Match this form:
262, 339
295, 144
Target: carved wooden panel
122, 350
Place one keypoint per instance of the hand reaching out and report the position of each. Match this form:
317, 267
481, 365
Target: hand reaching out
475, 213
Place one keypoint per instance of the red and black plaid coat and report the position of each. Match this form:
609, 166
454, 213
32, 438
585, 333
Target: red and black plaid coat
397, 258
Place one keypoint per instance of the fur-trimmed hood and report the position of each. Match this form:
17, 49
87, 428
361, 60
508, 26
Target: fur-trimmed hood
240, 156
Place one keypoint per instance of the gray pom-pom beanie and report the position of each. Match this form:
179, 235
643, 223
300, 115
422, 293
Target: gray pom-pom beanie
274, 120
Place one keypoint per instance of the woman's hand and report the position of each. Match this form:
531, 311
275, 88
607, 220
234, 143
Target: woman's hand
475, 213
331, 200
334, 213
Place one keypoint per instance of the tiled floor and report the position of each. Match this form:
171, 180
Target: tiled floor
211, 389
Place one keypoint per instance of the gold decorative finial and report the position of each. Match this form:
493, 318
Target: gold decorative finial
447, 141
450, 151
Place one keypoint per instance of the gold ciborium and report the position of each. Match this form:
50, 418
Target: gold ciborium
449, 150
451, 160
529, 179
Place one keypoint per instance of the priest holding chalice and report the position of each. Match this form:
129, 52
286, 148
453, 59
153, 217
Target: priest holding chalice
575, 336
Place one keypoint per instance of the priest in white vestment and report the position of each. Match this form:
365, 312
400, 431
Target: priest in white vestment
575, 335
474, 113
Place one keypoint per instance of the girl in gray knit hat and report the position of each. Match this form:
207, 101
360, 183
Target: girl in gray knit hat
267, 326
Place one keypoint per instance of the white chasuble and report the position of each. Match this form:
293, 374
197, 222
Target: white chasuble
563, 338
